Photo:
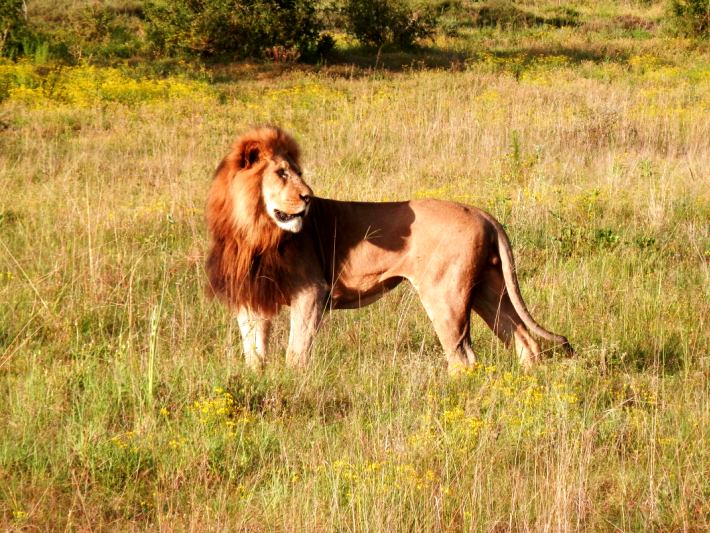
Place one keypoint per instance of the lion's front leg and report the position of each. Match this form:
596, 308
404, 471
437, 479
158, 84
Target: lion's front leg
306, 313
255, 337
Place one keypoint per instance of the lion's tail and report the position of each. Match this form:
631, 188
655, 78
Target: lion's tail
513, 288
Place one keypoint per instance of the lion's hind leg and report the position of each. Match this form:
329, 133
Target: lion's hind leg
491, 302
450, 315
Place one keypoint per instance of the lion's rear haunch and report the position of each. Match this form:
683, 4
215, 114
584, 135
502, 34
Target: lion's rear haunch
275, 244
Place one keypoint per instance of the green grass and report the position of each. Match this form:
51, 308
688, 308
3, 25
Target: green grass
125, 400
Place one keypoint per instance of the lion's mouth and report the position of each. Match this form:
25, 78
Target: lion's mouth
285, 217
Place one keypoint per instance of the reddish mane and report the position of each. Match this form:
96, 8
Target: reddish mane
244, 266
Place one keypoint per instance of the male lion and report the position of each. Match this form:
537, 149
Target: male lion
274, 244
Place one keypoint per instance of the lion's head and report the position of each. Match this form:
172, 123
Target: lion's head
258, 194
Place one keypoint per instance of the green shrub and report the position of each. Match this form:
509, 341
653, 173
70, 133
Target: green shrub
505, 14
692, 17
13, 28
384, 22
235, 28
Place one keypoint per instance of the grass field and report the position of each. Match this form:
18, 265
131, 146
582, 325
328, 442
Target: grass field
124, 400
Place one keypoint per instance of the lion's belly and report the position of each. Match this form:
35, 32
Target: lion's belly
367, 269
346, 296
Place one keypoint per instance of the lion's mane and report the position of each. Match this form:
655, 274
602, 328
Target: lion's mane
244, 266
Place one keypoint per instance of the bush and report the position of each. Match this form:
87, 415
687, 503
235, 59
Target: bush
12, 26
505, 14
382, 22
236, 28
692, 17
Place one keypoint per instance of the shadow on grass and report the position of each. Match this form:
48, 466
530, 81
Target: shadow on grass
359, 61
572, 54
667, 359
279, 395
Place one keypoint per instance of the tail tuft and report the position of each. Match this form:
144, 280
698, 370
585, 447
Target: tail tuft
567, 347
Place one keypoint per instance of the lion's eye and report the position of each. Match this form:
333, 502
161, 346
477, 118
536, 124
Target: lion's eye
281, 173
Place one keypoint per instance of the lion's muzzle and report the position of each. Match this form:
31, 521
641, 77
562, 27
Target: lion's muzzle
292, 222
285, 217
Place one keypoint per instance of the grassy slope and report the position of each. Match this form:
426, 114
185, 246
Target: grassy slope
125, 401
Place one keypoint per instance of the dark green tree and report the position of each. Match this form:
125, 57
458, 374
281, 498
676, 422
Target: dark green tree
13, 25
383, 22
235, 28
692, 17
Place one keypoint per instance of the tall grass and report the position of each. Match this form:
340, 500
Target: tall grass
125, 400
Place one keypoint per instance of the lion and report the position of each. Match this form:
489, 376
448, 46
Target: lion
275, 244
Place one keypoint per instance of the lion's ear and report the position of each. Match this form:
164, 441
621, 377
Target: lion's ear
250, 153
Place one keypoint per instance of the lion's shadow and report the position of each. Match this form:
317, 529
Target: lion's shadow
668, 359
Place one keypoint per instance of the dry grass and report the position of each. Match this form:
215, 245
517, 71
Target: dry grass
126, 404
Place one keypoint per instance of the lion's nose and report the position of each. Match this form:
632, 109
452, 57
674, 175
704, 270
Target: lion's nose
306, 198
